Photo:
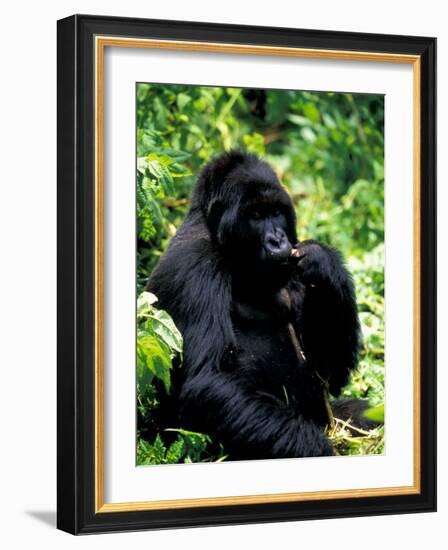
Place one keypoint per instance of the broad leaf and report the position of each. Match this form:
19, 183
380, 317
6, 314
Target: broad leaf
163, 326
153, 360
375, 414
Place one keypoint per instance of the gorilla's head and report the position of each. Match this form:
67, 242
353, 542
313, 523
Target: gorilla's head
248, 213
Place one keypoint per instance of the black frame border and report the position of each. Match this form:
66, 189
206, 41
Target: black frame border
76, 269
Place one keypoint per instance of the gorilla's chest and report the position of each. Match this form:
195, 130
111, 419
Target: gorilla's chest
269, 349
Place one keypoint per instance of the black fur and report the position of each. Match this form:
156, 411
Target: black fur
265, 332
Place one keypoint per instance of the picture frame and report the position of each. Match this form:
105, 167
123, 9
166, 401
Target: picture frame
82, 195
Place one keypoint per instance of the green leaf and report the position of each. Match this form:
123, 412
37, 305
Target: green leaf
158, 323
163, 326
375, 414
254, 143
176, 451
145, 301
148, 453
311, 112
195, 443
298, 119
158, 448
182, 100
308, 134
154, 167
153, 360
176, 155
167, 183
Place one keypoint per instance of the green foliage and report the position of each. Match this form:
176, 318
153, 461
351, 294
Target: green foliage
158, 341
368, 380
328, 150
376, 414
348, 440
188, 447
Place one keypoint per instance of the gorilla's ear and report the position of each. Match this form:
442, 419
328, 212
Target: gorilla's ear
214, 214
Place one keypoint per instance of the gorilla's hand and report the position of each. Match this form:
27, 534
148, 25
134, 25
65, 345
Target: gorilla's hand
328, 320
315, 263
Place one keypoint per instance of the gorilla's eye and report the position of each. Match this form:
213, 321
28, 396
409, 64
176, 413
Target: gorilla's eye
276, 212
255, 214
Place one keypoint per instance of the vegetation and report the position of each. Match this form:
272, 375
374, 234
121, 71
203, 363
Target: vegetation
328, 150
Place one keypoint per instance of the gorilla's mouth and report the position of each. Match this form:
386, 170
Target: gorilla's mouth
278, 256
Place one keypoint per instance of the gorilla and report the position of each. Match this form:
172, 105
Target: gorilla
270, 324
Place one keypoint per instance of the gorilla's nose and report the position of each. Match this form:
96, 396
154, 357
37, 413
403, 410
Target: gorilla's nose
277, 244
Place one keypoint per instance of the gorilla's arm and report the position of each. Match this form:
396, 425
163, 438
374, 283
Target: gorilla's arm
252, 425
326, 317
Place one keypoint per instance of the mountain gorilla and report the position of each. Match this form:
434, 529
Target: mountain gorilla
270, 324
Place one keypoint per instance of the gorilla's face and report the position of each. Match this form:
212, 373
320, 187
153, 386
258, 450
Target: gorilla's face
264, 232
258, 231
249, 215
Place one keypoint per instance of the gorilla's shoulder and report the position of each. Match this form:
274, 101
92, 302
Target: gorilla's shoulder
189, 252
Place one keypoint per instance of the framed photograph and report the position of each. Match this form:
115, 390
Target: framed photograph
246, 274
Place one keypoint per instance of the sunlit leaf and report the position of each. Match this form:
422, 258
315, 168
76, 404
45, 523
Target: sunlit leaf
375, 414
153, 360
